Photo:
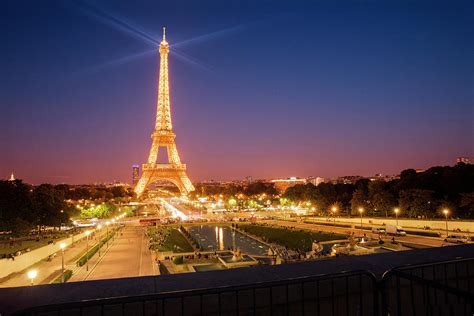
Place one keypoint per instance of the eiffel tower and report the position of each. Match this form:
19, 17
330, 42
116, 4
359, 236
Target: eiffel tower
163, 136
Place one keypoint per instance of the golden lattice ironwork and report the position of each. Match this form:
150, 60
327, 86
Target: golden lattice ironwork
163, 136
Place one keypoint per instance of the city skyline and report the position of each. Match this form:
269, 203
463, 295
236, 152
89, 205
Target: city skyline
280, 111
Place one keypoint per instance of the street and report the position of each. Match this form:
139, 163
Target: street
127, 256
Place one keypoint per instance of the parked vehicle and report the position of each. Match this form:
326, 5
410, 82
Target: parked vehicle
459, 239
395, 230
378, 230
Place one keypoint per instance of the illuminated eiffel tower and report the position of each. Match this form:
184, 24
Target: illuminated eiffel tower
163, 136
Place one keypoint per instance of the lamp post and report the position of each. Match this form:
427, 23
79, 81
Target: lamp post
32, 275
334, 210
87, 249
62, 246
107, 225
396, 214
446, 212
361, 210
99, 227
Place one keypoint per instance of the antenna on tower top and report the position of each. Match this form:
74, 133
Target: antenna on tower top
164, 33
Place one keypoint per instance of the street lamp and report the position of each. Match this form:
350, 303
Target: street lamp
32, 275
87, 249
334, 210
361, 210
107, 238
99, 227
446, 212
396, 210
62, 246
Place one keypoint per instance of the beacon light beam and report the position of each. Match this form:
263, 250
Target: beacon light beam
210, 36
117, 23
117, 62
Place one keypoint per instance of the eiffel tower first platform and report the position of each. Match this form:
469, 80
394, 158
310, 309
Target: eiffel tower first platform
163, 136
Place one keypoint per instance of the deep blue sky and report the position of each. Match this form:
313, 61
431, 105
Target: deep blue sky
282, 89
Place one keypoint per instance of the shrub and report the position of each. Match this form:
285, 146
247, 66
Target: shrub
178, 260
422, 233
88, 255
67, 276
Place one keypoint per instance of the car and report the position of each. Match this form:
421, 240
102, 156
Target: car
458, 239
378, 230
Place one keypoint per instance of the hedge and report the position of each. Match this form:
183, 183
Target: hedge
67, 276
178, 260
422, 233
88, 255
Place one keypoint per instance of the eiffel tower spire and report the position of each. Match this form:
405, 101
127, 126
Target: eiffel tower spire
163, 111
163, 136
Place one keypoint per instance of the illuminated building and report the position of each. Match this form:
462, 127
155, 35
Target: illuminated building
315, 180
463, 160
173, 171
283, 184
135, 174
12, 177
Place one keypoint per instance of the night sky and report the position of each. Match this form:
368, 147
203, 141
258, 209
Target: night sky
262, 89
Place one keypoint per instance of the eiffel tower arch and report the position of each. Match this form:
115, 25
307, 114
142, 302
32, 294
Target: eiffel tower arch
163, 137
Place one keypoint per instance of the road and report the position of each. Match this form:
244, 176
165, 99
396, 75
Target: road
127, 256
420, 240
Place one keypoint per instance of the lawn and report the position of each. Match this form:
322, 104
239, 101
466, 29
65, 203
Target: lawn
292, 238
168, 239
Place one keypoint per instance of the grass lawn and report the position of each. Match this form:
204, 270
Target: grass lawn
176, 242
5, 248
291, 238
168, 239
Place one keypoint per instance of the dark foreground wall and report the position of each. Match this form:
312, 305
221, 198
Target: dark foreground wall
14, 299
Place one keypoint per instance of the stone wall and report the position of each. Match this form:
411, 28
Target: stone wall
23, 261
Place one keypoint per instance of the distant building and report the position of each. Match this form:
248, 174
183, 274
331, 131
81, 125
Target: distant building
135, 174
347, 180
249, 179
283, 184
12, 177
465, 160
315, 180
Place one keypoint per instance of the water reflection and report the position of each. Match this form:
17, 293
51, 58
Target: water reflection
213, 237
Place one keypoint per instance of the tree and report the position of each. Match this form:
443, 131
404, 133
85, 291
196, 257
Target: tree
359, 199
416, 202
381, 199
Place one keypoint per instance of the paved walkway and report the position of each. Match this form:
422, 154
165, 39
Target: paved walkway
49, 270
127, 256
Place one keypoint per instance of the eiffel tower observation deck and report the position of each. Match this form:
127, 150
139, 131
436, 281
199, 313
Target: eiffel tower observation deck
163, 137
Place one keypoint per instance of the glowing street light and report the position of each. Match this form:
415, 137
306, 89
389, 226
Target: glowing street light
334, 210
32, 274
446, 212
87, 249
361, 210
62, 246
396, 210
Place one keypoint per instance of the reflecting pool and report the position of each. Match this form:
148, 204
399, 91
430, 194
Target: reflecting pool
215, 237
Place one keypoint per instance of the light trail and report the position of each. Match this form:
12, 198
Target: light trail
174, 211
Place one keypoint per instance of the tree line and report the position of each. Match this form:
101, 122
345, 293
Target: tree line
24, 207
416, 194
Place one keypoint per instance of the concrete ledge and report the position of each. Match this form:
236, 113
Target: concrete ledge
14, 299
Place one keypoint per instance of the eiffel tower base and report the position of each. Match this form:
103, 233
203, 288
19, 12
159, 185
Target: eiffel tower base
174, 174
